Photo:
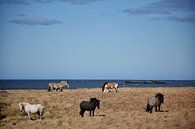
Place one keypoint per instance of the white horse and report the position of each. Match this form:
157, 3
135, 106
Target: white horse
32, 109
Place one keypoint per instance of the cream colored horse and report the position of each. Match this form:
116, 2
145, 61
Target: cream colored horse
110, 85
31, 109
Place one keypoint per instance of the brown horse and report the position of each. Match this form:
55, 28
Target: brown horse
110, 85
58, 86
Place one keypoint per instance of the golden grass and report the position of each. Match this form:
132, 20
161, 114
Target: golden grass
124, 110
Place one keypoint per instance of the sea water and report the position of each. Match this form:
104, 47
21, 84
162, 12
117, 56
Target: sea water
75, 84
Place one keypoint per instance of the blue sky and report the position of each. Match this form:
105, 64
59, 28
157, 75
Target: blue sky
97, 39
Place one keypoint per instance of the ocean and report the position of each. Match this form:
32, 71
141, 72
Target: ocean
75, 84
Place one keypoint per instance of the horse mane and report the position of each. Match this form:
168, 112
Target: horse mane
103, 87
63, 82
93, 99
23, 103
160, 97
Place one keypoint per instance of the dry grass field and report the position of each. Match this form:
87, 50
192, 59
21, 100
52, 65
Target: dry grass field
122, 110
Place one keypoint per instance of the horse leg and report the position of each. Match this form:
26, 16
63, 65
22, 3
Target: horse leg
40, 114
82, 113
156, 109
148, 108
93, 112
49, 89
28, 115
159, 108
151, 109
115, 89
90, 113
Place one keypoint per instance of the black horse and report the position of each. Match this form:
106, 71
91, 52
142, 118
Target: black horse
155, 101
89, 106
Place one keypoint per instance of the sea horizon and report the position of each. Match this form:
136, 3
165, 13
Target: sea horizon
91, 83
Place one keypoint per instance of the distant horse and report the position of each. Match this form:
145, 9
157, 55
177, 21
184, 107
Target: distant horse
155, 101
29, 108
110, 85
58, 86
89, 106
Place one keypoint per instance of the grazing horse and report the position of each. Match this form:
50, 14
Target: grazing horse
155, 101
32, 109
89, 106
110, 85
58, 86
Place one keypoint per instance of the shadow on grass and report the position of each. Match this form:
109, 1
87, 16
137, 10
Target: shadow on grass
101, 115
34, 119
164, 110
159, 111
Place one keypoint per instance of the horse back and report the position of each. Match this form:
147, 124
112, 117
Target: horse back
153, 101
112, 85
56, 85
87, 105
59, 84
31, 108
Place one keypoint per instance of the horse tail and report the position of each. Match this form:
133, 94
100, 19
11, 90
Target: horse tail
116, 85
49, 88
148, 108
68, 84
80, 113
103, 87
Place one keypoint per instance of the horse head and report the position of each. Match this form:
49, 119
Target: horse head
68, 83
65, 83
22, 106
160, 97
96, 101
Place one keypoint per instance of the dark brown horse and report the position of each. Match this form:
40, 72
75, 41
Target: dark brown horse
89, 106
